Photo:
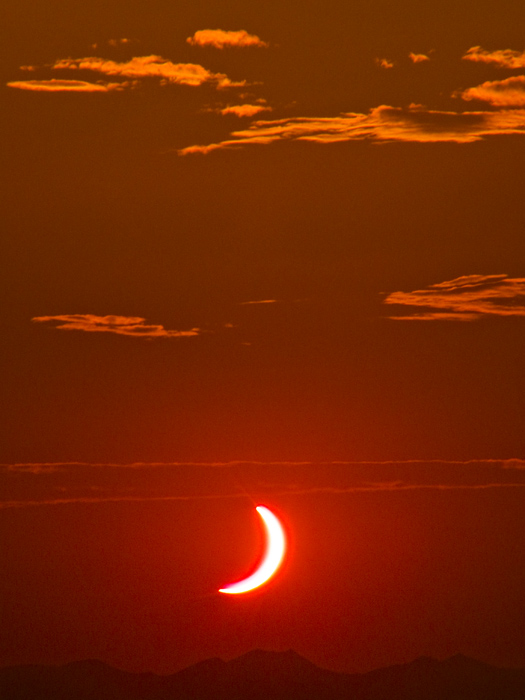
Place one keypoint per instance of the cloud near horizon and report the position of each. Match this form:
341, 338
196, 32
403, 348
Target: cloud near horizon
50, 467
134, 326
392, 487
220, 39
152, 66
466, 298
384, 123
498, 93
503, 58
55, 85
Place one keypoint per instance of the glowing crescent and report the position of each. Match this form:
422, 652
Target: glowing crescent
273, 556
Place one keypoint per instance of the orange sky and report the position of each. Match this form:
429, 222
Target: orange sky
292, 240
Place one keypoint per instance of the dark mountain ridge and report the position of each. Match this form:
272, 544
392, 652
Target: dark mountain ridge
269, 676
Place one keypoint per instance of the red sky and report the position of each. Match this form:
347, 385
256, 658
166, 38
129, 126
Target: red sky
267, 255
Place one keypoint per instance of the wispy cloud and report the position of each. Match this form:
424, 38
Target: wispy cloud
513, 464
499, 93
397, 486
392, 487
152, 66
418, 57
466, 298
504, 58
412, 124
220, 39
93, 500
260, 301
35, 467
133, 326
65, 86
56, 484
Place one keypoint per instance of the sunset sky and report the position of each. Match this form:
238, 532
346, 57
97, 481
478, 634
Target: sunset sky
262, 253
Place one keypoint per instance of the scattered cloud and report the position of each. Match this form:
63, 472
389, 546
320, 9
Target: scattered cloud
498, 93
191, 74
245, 110
384, 63
384, 123
65, 86
133, 326
418, 57
466, 298
220, 39
115, 43
504, 58
118, 42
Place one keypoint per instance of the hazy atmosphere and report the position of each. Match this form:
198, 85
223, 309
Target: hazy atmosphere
262, 253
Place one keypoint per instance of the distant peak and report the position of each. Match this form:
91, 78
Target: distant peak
457, 660
262, 657
425, 660
461, 659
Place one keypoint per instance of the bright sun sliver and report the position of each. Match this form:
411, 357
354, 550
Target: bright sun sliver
272, 559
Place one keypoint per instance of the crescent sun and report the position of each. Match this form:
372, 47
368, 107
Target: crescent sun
272, 558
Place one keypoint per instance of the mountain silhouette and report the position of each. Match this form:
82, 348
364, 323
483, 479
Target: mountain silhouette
266, 675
